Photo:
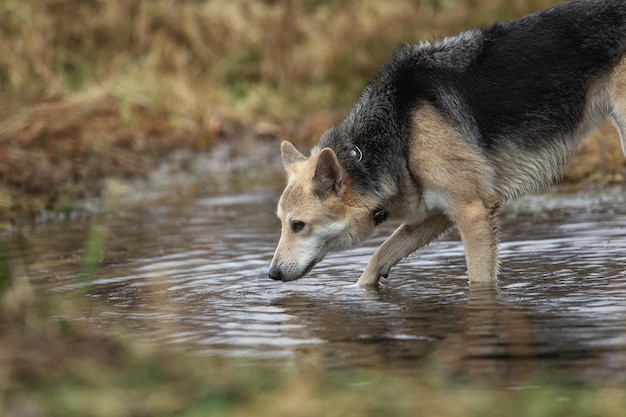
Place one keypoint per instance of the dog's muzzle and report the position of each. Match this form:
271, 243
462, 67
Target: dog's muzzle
275, 273
278, 274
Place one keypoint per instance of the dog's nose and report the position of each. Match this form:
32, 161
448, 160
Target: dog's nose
275, 273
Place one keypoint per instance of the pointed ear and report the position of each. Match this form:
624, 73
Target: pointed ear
290, 154
329, 175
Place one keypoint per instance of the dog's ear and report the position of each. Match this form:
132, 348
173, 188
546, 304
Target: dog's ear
290, 154
329, 175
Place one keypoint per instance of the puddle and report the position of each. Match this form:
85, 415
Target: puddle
193, 273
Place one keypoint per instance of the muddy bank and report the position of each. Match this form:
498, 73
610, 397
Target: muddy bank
56, 155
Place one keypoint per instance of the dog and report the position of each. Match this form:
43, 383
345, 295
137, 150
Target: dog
448, 132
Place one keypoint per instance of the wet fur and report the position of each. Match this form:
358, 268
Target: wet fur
450, 131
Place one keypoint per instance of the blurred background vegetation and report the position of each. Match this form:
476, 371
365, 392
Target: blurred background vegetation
93, 89
99, 88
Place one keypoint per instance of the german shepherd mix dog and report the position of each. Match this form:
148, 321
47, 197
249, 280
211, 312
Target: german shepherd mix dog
448, 132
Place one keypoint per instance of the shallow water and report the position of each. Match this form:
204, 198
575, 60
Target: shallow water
192, 272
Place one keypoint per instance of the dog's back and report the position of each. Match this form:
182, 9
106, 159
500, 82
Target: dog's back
532, 88
532, 78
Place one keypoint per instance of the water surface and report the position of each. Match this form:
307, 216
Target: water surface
191, 272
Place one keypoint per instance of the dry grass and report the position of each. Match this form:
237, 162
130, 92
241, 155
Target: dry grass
90, 89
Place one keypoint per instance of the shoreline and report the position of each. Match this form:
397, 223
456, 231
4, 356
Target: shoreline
59, 182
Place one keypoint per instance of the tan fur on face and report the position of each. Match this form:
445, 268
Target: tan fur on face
334, 220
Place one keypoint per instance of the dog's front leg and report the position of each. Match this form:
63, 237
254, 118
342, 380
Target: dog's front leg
404, 241
478, 225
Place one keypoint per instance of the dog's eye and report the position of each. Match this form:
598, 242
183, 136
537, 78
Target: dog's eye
297, 226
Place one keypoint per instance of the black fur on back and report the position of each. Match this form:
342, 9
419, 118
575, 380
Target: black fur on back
531, 77
524, 81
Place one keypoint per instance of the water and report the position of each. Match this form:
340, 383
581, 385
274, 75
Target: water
191, 272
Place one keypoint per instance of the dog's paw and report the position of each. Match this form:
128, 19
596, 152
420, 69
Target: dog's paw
368, 279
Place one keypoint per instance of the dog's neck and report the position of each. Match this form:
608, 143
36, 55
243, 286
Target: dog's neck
369, 174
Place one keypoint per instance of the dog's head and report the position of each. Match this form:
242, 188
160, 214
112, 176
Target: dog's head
319, 211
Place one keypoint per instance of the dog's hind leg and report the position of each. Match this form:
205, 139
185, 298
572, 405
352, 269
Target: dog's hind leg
407, 239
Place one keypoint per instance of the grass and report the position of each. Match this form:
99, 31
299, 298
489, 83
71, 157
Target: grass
99, 89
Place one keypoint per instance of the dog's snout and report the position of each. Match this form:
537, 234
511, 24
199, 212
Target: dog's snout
275, 273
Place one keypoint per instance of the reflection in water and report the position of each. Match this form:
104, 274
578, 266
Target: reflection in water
194, 274
494, 342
